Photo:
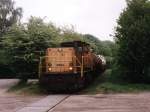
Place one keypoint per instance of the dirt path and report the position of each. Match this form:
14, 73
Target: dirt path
5, 84
105, 103
11, 102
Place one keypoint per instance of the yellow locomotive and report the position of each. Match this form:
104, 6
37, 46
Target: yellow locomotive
72, 64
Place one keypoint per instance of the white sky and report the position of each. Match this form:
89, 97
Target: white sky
96, 17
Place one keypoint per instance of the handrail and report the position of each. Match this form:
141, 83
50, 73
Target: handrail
81, 64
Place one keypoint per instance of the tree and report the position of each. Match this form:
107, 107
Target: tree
133, 40
25, 43
100, 47
8, 15
69, 34
95, 43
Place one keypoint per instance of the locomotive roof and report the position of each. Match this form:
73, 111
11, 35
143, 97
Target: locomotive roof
73, 44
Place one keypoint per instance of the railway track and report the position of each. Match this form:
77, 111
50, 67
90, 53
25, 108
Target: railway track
46, 104
50, 110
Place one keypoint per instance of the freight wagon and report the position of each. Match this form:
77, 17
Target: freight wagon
73, 64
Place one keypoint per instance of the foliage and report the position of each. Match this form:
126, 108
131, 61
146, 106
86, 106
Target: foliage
104, 84
8, 15
25, 43
109, 88
133, 38
100, 47
5, 69
69, 34
93, 41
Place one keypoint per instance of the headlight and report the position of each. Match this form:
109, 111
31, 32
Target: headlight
49, 69
70, 68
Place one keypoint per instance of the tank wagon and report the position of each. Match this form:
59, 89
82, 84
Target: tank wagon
73, 64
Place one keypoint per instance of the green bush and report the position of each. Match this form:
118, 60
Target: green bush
24, 44
133, 38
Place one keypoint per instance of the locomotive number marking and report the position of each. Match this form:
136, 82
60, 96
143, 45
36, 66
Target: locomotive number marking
60, 65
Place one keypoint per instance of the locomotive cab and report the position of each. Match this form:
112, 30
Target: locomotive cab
66, 59
67, 64
59, 60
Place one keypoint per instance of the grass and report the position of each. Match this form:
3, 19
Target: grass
95, 88
31, 88
103, 84
108, 87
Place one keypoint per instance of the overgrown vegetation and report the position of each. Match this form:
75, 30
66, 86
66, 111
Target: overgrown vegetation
133, 40
30, 88
9, 15
107, 84
127, 57
130, 69
25, 43
113, 88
